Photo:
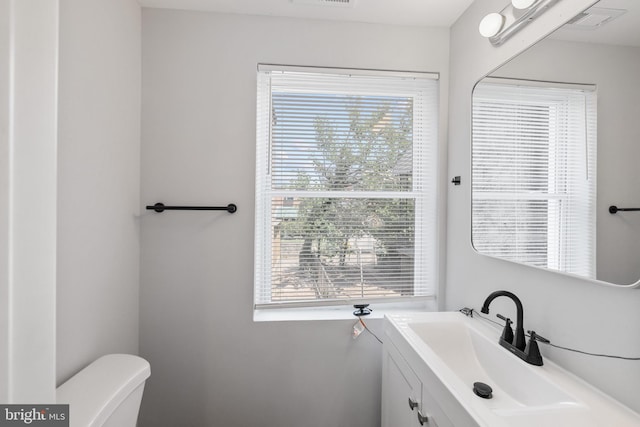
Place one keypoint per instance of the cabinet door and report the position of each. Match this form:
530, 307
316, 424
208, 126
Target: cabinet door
400, 386
431, 411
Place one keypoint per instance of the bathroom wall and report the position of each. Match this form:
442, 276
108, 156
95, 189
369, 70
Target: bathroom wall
615, 71
4, 200
211, 364
28, 80
98, 181
570, 311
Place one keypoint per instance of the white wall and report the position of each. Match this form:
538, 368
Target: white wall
98, 188
569, 311
5, 38
28, 82
212, 365
615, 71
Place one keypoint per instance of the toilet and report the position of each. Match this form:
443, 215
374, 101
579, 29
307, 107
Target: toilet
107, 393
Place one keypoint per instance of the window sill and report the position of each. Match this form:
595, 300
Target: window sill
344, 312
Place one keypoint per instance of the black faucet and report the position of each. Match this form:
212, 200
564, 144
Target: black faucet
530, 352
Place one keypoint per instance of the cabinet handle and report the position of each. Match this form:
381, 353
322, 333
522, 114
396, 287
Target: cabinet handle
412, 404
422, 418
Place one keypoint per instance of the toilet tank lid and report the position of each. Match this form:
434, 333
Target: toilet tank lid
95, 392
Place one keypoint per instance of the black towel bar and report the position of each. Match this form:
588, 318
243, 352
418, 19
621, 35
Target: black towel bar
614, 209
160, 207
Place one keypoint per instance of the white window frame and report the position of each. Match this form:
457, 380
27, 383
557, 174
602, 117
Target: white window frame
425, 278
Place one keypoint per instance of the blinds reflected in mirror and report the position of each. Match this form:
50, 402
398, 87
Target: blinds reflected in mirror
534, 174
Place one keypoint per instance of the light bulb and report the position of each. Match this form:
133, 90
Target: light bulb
491, 24
522, 4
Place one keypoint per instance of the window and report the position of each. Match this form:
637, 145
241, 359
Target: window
534, 166
345, 186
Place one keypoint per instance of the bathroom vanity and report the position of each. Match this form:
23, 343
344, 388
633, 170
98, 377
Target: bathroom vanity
412, 395
409, 395
431, 362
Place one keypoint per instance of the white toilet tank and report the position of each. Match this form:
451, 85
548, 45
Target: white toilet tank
107, 393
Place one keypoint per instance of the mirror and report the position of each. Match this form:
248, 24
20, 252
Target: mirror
556, 142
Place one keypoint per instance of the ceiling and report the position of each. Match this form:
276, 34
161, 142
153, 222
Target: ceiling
433, 13
622, 31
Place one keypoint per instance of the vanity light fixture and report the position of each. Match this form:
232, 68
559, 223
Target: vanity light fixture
491, 24
522, 4
498, 27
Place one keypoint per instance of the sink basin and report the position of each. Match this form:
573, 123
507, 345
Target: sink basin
472, 356
459, 351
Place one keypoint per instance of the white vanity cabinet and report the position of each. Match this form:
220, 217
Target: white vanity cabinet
406, 400
431, 362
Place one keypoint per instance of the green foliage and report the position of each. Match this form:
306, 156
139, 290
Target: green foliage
372, 153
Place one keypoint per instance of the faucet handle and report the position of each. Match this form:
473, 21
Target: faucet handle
507, 333
532, 352
506, 319
537, 337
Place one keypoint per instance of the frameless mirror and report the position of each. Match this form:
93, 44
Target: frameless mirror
556, 144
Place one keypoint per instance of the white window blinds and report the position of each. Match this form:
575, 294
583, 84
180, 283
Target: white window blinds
345, 186
534, 175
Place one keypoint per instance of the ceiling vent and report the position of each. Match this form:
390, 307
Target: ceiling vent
594, 18
334, 3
